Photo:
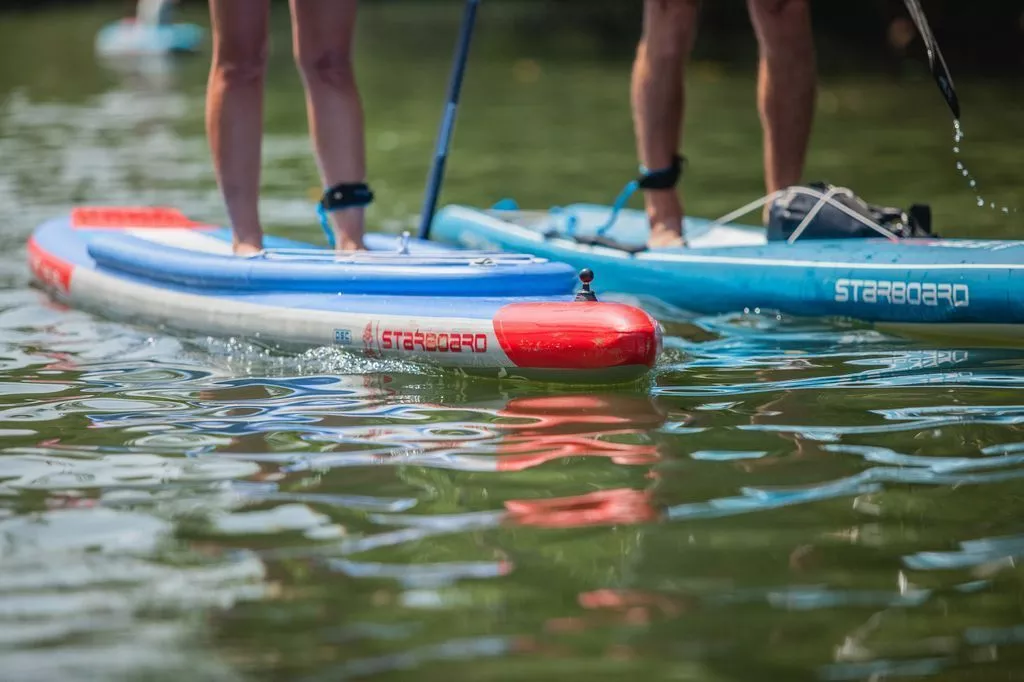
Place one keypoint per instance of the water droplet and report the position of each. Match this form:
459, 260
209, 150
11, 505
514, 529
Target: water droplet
958, 135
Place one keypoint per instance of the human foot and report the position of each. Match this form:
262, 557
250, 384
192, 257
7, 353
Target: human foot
247, 248
344, 245
347, 227
665, 235
665, 214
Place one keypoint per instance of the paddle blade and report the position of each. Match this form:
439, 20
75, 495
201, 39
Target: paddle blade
935, 59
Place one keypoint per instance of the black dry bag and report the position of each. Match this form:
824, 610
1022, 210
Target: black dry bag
831, 222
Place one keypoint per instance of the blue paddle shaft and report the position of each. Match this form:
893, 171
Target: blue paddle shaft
444, 138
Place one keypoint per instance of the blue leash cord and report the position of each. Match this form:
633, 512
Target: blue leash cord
664, 178
325, 224
620, 203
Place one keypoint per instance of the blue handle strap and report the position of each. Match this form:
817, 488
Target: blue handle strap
664, 178
338, 198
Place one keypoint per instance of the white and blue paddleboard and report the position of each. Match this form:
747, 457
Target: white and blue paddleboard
501, 314
128, 37
936, 285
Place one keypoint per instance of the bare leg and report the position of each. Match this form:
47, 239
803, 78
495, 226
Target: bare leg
786, 87
670, 27
323, 52
234, 111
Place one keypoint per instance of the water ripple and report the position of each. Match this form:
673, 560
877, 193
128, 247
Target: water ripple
176, 505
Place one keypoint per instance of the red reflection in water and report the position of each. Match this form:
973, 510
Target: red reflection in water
578, 426
603, 507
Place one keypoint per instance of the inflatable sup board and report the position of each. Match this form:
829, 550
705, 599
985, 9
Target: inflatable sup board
501, 314
127, 37
931, 284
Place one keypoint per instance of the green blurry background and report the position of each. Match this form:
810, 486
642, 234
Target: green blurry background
545, 113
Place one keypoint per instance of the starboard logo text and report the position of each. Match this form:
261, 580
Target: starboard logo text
902, 293
432, 342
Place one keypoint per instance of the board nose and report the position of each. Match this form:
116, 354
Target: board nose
578, 335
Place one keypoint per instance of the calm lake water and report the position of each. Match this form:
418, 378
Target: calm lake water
787, 500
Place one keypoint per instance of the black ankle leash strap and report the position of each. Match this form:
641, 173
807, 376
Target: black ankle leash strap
339, 197
346, 195
665, 178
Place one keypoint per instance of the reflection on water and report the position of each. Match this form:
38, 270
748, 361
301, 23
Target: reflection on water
340, 522
791, 500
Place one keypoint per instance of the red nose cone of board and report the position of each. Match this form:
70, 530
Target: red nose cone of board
578, 335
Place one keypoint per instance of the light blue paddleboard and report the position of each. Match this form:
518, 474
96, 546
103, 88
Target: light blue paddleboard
126, 37
941, 284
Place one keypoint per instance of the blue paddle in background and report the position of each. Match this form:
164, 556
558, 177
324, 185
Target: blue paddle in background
938, 65
444, 138
945, 81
